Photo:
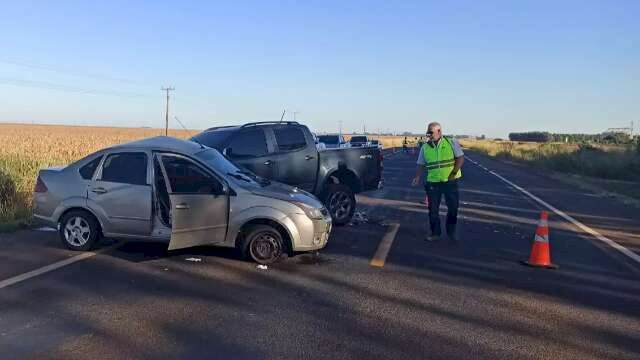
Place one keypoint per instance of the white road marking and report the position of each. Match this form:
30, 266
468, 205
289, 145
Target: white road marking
46, 229
380, 256
45, 269
570, 219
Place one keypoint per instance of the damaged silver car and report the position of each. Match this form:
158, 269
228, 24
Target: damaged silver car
180, 192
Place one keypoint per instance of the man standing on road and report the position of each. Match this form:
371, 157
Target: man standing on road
440, 158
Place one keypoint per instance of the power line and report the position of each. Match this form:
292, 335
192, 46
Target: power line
58, 70
66, 88
166, 124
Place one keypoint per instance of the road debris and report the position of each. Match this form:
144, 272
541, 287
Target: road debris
194, 259
262, 267
359, 217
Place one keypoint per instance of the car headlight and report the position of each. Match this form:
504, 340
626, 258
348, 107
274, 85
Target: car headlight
313, 213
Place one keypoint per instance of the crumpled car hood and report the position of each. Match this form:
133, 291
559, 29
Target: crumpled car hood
287, 193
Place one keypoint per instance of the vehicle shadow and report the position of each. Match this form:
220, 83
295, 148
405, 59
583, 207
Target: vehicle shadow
141, 251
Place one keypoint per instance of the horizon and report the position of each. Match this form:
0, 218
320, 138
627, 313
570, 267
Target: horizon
479, 69
399, 134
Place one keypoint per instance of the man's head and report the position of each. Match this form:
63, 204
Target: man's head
434, 131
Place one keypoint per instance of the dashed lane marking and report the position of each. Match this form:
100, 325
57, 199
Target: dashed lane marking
635, 257
380, 256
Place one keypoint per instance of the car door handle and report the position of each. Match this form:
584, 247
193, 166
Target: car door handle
268, 162
308, 157
182, 206
99, 190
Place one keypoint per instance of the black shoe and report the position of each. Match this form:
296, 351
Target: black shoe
452, 236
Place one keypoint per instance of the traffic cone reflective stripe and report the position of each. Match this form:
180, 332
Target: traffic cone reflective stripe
543, 233
541, 250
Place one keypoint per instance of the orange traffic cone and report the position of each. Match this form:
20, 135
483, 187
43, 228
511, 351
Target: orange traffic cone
541, 251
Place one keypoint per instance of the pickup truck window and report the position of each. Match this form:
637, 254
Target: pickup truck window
329, 139
249, 143
213, 138
290, 138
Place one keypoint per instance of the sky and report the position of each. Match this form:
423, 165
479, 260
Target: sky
477, 67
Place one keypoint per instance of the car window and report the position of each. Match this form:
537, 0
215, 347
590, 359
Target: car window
127, 168
329, 139
359, 139
248, 143
186, 177
290, 138
87, 170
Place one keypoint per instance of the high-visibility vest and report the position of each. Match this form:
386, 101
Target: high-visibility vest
439, 160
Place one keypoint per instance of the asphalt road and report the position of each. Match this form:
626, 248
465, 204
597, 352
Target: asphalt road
469, 299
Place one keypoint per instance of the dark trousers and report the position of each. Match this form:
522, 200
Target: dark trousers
435, 190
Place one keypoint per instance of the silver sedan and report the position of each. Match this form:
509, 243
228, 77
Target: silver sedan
166, 189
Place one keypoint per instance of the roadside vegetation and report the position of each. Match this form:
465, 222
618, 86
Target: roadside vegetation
25, 149
615, 168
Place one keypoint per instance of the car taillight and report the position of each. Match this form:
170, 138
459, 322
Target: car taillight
40, 186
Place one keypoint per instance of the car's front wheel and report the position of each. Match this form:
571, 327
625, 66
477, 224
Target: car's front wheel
264, 244
78, 230
341, 203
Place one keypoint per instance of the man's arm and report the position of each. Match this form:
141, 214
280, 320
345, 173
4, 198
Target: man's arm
420, 169
457, 165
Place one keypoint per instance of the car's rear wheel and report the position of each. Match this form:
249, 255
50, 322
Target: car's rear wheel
79, 230
341, 203
264, 244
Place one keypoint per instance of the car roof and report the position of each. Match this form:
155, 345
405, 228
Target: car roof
165, 143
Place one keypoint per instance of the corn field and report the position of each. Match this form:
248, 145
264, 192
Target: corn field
25, 149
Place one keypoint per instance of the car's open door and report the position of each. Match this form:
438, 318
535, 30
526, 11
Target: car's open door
198, 219
199, 203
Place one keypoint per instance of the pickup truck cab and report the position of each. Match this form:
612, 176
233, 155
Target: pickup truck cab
359, 141
332, 141
286, 152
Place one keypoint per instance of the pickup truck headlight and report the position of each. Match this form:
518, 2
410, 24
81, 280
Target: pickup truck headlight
313, 213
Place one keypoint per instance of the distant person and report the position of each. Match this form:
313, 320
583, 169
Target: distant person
440, 159
404, 145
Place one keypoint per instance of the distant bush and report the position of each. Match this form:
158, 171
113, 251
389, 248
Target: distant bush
533, 136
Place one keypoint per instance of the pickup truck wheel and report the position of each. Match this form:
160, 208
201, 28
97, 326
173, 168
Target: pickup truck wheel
341, 203
78, 230
265, 245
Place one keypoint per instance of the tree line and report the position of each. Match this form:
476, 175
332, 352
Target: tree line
543, 136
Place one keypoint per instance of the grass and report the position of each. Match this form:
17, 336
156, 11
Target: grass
25, 149
613, 168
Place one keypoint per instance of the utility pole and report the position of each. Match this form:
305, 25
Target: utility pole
166, 119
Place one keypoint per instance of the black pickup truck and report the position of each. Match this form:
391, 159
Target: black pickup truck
286, 152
